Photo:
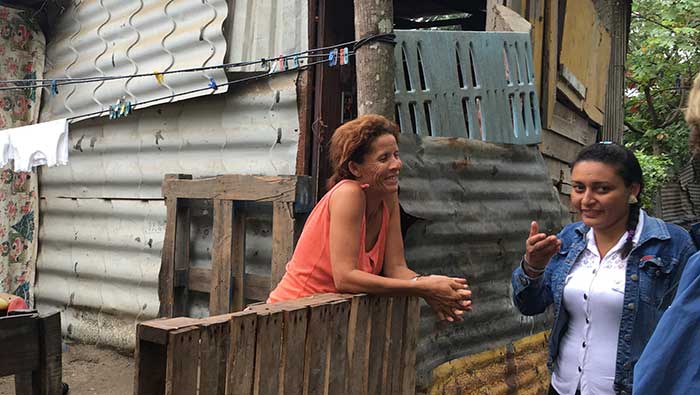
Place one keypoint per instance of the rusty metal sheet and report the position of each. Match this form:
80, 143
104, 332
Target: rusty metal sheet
473, 203
519, 367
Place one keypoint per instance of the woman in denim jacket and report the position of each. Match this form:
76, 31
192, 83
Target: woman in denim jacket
610, 276
676, 341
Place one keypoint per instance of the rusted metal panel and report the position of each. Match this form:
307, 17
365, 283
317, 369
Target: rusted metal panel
95, 38
519, 367
473, 202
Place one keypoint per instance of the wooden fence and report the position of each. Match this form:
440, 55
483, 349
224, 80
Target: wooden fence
323, 344
226, 281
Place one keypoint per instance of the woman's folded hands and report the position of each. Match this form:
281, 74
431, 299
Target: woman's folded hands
450, 297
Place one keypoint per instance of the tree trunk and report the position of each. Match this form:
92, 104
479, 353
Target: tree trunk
374, 61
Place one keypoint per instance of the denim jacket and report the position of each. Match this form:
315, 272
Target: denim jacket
653, 269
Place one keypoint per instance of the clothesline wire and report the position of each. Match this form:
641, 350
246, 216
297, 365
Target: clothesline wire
229, 83
111, 78
42, 83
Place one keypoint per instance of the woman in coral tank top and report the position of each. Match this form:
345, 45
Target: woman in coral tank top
351, 241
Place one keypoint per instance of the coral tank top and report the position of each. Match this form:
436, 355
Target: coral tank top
309, 271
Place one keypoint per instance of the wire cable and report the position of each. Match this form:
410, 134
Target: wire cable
47, 83
229, 83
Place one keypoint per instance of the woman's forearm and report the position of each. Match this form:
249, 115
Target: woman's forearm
400, 272
357, 281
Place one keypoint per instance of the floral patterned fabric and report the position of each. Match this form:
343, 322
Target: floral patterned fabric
22, 48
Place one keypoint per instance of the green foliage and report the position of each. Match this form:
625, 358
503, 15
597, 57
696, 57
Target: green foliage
655, 168
662, 60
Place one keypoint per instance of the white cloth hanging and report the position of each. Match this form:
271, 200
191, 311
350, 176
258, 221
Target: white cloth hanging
43, 143
5, 148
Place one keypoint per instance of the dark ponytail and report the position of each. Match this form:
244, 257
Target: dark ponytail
632, 222
628, 168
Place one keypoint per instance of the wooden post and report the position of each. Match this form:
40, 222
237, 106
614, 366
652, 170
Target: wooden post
550, 62
282, 240
374, 61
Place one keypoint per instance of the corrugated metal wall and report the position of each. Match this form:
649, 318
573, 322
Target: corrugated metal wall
474, 201
267, 28
678, 201
125, 37
102, 216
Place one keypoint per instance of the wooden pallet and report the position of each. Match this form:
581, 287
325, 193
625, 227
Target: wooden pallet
323, 344
226, 281
31, 351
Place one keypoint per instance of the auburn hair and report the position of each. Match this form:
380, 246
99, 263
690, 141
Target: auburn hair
352, 140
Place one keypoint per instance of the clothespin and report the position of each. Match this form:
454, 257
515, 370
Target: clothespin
159, 77
296, 61
273, 68
282, 63
345, 56
263, 63
54, 88
212, 84
122, 109
333, 57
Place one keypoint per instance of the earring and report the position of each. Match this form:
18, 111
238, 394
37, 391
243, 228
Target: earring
632, 200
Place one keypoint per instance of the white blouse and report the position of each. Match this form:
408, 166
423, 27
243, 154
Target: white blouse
593, 296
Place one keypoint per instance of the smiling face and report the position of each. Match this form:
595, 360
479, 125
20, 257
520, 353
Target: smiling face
380, 165
599, 193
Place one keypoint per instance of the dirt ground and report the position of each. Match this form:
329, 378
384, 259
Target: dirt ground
90, 370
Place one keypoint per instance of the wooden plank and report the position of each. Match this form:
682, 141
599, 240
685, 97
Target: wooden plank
157, 331
410, 343
396, 332
241, 356
558, 146
573, 125
242, 187
268, 361
558, 170
378, 340
358, 345
257, 287
18, 337
220, 297
27, 383
182, 361
150, 360
166, 276
550, 60
307, 301
337, 368
166, 280
569, 94
213, 355
317, 350
182, 256
50, 368
536, 18
282, 240
293, 346
238, 262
